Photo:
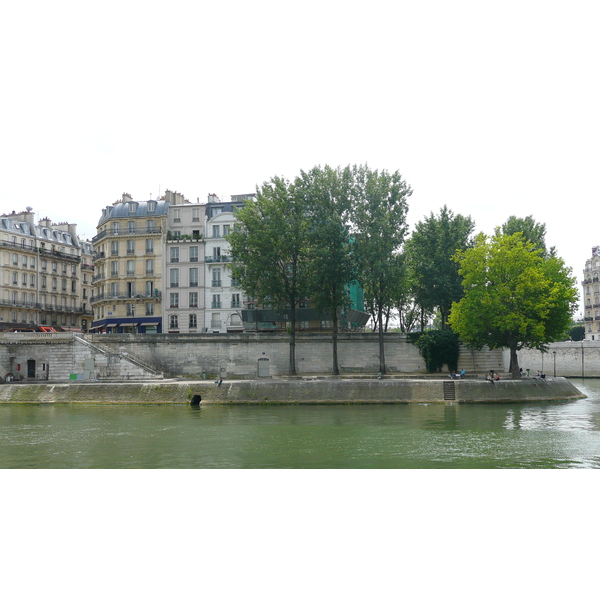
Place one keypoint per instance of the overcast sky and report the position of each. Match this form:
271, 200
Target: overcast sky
488, 107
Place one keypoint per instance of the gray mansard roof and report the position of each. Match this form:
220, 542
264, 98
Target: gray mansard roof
131, 210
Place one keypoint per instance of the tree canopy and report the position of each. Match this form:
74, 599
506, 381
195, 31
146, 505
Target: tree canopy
379, 208
514, 296
434, 276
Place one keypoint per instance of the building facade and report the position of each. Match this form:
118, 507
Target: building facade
591, 295
129, 263
47, 273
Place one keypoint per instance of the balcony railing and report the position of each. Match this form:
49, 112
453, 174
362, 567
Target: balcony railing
217, 259
153, 296
137, 231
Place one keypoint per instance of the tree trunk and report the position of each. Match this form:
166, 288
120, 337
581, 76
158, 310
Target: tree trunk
381, 346
336, 369
514, 363
293, 342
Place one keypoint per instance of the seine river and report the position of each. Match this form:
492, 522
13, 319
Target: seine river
424, 436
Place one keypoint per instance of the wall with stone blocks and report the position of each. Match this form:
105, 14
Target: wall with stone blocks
572, 359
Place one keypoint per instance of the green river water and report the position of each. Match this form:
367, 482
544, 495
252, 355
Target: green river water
423, 436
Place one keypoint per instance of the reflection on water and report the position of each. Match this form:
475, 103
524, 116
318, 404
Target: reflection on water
532, 435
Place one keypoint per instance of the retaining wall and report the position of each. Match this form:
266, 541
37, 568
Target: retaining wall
334, 391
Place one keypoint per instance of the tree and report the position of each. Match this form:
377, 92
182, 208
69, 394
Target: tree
514, 296
433, 270
379, 207
326, 194
532, 231
269, 246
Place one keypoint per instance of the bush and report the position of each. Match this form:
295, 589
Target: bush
438, 348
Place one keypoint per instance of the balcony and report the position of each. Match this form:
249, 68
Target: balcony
136, 231
156, 295
218, 259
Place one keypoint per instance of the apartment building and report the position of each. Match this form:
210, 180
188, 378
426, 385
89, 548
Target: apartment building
47, 273
591, 295
224, 298
184, 306
129, 267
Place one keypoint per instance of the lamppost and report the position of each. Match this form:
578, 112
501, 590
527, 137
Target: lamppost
554, 356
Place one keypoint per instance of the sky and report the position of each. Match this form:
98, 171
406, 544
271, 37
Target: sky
490, 108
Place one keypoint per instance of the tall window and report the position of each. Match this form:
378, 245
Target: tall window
193, 299
194, 277
216, 231
216, 301
177, 215
193, 253
150, 226
131, 226
174, 254
215, 320
115, 227
149, 266
130, 267
226, 230
174, 300
149, 309
193, 323
130, 246
195, 214
149, 246
173, 322
114, 247
114, 289
235, 301
216, 278
174, 277
114, 268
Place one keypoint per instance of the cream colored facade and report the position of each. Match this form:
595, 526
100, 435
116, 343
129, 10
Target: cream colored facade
128, 260
46, 274
591, 295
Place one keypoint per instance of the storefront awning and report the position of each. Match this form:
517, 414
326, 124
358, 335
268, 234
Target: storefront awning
148, 324
111, 324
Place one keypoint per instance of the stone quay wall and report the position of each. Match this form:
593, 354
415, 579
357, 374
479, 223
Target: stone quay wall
253, 355
317, 391
570, 359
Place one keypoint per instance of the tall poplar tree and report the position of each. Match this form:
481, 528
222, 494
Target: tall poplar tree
269, 247
434, 273
326, 195
379, 208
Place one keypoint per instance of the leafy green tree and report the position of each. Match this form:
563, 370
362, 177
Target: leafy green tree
379, 207
532, 231
577, 333
514, 297
438, 348
433, 270
270, 247
326, 194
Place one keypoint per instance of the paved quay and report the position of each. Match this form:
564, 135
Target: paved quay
294, 390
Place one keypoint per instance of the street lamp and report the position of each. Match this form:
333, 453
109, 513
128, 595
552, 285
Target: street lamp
554, 353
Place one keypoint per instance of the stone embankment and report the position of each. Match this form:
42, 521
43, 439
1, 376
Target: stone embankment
309, 391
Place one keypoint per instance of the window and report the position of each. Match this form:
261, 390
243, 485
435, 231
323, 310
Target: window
235, 301
24, 261
44, 264
149, 246
130, 246
174, 300
43, 282
195, 214
114, 268
193, 299
149, 309
216, 301
193, 323
131, 267
32, 263
63, 283
216, 231
32, 280
54, 266
216, 278
149, 266
15, 278
176, 215
151, 206
226, 230
235, 282
193, 253
194, 277
215, 320
54, 283
174, 255
114, 248
173, 322
174, 277
24, 279
150, 226
73, 288
15, 259
216, 252
114, 289
130, 308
